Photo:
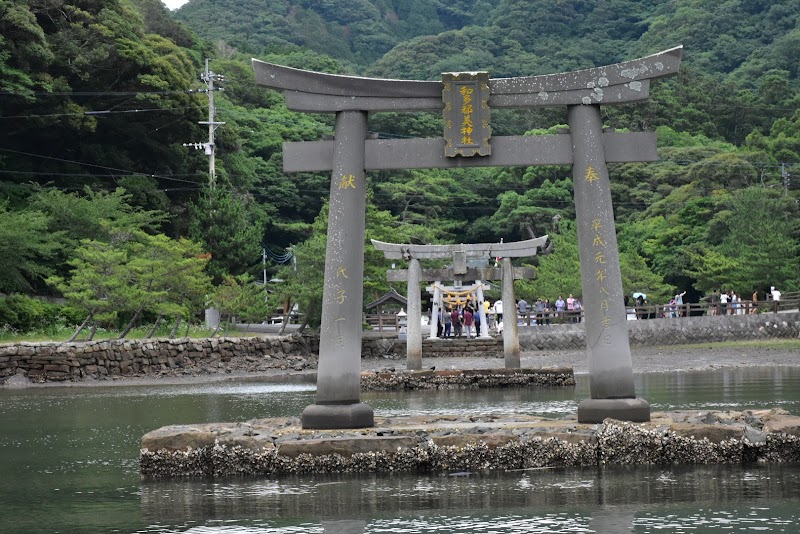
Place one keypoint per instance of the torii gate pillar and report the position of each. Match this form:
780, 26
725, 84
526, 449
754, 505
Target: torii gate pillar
608, 347
510, 334
339, 372
414, 325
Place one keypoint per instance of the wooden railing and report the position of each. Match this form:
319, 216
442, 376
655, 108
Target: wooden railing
382, 322
388, 322
666, 311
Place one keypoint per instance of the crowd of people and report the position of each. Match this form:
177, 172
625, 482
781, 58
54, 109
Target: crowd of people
731, 303
464, 321
458, 321
544, 311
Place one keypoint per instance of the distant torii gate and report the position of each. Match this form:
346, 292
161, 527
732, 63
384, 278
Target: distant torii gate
465, 99
459, 254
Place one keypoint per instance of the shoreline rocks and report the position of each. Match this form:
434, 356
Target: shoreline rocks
389, 379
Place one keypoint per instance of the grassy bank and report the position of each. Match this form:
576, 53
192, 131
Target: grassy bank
63, 333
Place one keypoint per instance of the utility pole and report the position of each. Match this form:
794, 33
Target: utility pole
209, 78
785, 178
264, 265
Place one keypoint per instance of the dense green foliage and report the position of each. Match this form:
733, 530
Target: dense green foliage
98, 97
21, 313
238, 297
135, 273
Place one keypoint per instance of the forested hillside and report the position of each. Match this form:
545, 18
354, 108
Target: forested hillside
98, 99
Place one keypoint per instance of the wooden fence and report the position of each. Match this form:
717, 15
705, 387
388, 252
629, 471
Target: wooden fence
389, 322
382, 322
789, 302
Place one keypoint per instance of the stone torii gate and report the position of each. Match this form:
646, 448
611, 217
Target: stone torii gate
459, 254
466, 100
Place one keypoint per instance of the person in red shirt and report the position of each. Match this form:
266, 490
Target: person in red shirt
455, 318
469, 319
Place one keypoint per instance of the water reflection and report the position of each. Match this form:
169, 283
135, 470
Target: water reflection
69, 464
547, 401
347, 496
724, 389
541, 500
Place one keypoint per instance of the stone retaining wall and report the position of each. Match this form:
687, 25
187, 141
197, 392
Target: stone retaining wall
674, 331
44, 362
50, 362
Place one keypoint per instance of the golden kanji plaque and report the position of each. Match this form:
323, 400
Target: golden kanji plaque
466, 114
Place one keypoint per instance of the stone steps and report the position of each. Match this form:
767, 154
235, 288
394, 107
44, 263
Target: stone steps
461, 347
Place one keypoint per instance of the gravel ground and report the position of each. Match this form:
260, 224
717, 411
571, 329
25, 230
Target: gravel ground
661, 359
645, 359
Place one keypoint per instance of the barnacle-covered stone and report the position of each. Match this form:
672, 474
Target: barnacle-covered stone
462, 443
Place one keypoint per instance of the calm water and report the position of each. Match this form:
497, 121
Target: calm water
69, 464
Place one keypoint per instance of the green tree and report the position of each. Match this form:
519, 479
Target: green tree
24, 51
759, 248
305, 284
303, 281
132, 274
559, 273
711, 269
240, 297
91, 214
94, 215
22, 313
532, 214
97, 282
664, 232
637, 276
782, 144
232, 227
94, 92
26, 248
165, 277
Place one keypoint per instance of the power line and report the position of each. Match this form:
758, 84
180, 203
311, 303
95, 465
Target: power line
111, 111
94, 113
126, 171
101, 93
652, 101
93, 175
277, 258
323, 191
